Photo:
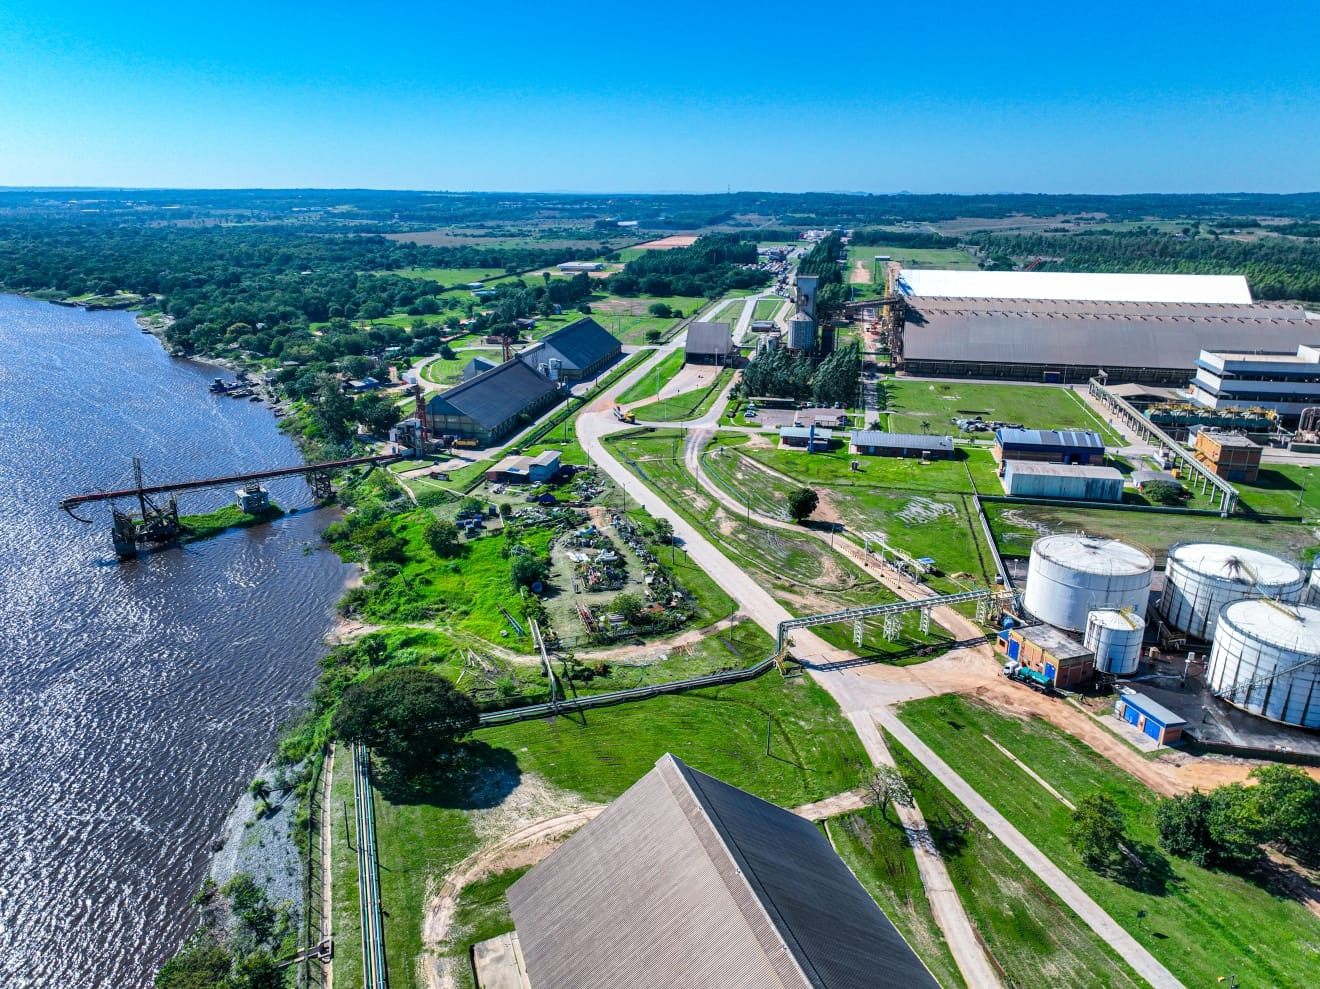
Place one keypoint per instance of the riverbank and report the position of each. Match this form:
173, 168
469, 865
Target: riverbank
262, 844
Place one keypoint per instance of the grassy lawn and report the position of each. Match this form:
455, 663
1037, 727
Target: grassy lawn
1283, 489
910, 403
766, 308
1016, 526
688, 405
1031, 937
450, 372
913, 257
653, 383
732, 312
1202, 924
425, 830
877, 851
452, 277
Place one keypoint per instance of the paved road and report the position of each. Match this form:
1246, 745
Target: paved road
863, 700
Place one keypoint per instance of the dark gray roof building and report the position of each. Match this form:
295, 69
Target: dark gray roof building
708, 342
1148, 342
687, 881
583, 348
873, 441
489, 405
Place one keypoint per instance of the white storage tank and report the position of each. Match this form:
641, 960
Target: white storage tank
801, 332
1070, 576
1311, 595
1266, 660
1115, 638
1201, 578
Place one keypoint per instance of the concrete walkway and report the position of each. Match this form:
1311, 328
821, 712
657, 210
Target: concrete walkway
1132, 951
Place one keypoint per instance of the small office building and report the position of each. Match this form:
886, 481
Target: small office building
1149, 717
1056, 446
525, 470
809, 438
1045, 649
873, 443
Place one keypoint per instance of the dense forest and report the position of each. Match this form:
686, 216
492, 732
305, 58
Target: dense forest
785, 374
1276, 267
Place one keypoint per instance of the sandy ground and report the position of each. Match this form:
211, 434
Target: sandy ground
667, 243
522, 830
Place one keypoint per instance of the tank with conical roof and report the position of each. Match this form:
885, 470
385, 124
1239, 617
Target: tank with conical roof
1071, 575
801, 332
1201, 578
1266, 660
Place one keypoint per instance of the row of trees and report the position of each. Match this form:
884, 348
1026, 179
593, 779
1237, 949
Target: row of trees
1276, 267
782, 374
711, 267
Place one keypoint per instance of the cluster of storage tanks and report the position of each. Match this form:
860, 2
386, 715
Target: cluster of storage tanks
1265, 652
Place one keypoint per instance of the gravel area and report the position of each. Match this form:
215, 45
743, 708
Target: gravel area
262, 847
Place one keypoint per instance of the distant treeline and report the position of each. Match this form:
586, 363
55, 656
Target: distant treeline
901, 238
709, 268
1275, 267
249, 287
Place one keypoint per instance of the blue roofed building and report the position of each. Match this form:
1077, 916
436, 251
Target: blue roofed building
1055, 446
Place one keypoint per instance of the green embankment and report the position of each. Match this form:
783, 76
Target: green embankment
1202, 924
211, 524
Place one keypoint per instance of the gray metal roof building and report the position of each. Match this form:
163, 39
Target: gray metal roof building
708, 342
873, 441
1148, 342
685, 881
489, 405
583, 347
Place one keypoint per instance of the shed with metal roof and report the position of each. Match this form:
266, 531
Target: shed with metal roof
488, 406
708, 343
874, 443
1059, 446
687, 881
1037, 479
583, 349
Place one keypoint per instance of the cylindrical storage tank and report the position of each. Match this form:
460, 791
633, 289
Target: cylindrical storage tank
1311, 596
1070, 576
801, 332
1201, 578
1115, 638
1266, 660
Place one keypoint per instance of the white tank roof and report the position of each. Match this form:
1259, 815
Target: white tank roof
1093, 554
1234, 563
1124, 621
1287, 626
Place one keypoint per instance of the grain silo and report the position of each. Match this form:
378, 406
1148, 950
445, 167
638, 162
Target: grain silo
801, 332
1070, 576
1266, 660
1115, 638
1201, 578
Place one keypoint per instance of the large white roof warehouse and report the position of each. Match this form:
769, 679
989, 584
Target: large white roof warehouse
937, 283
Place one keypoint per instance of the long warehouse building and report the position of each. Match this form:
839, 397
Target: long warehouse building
1067, 327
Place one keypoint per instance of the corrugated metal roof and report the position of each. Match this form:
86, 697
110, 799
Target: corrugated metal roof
1061, 470
494, 396
1153, 709
579, 345
924, 441
1050, 437
1094, 335
1059, 285
803, 432
687, 881
709, 338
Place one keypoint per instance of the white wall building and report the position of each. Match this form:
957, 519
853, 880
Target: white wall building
1287, 383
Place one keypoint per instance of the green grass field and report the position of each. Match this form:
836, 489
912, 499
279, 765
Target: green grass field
452, 277
655, 381
732, 312
1016, 526
913, 402
424, 831
688, 405
1030, 936
1202, 924
1283, 489
766, 308
912, 257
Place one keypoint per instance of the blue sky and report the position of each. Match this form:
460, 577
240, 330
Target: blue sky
1164, 95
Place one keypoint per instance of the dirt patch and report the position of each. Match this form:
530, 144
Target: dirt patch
667, 243
525, 827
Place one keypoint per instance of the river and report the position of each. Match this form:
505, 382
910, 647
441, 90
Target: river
136, 699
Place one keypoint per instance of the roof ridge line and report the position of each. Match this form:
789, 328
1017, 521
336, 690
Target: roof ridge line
783, 959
